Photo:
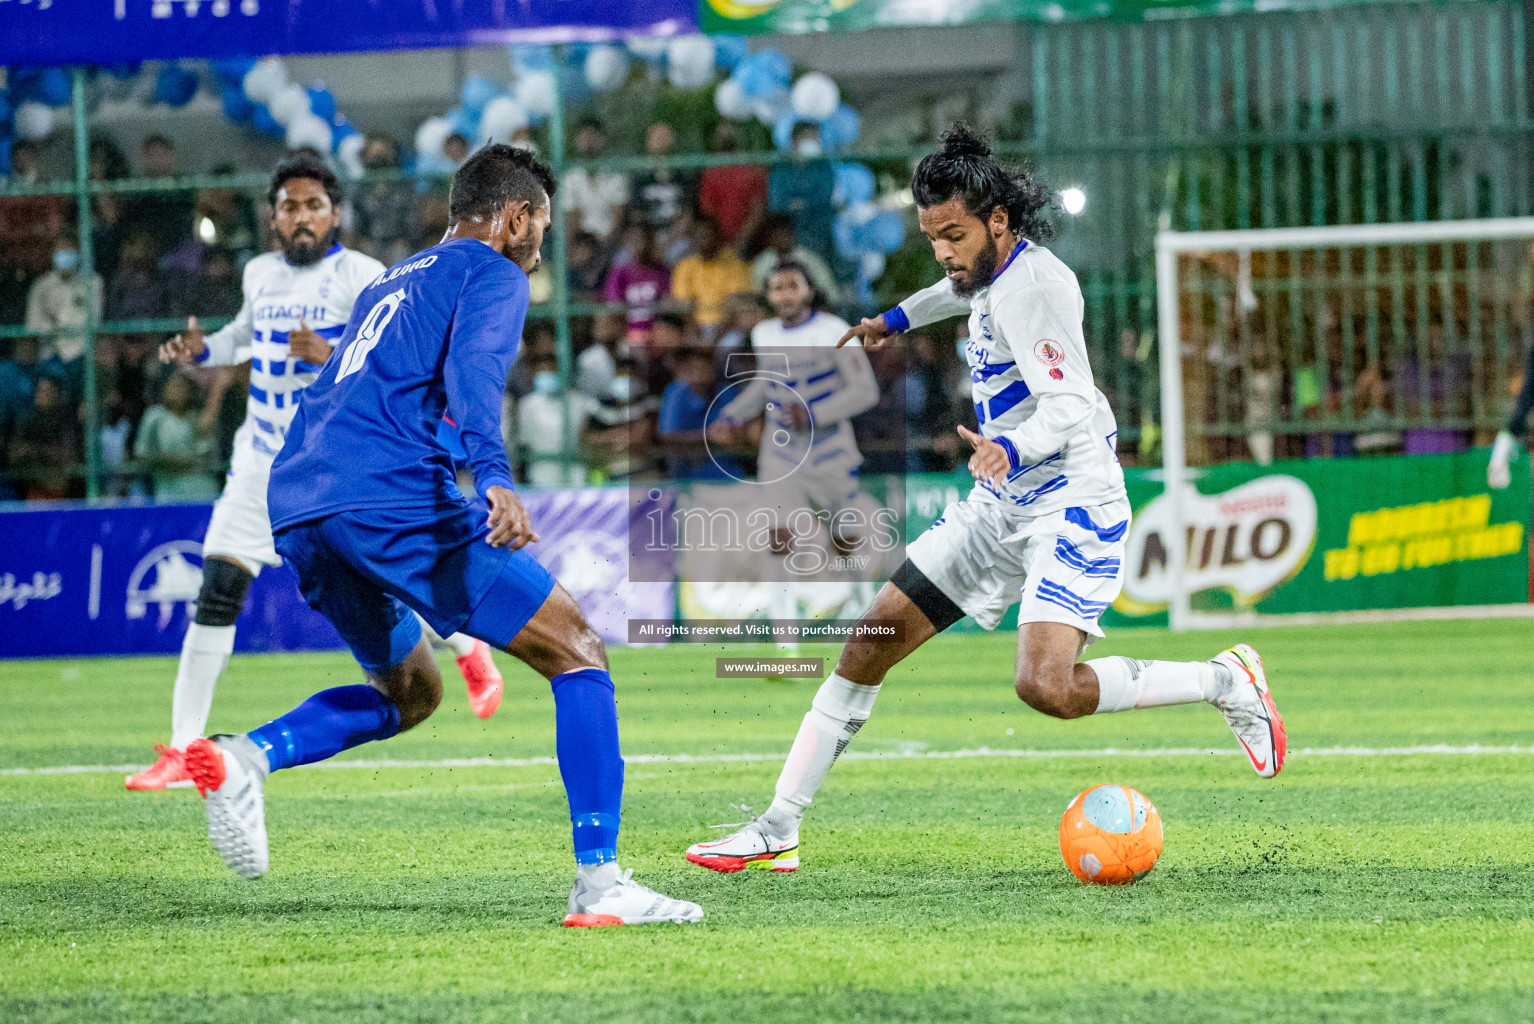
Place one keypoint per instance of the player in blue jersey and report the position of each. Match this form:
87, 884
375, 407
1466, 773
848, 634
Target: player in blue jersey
364, 506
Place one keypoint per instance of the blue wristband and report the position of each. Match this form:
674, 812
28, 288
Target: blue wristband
896, 320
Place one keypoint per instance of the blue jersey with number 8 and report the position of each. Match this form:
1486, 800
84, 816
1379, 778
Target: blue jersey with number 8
437, 331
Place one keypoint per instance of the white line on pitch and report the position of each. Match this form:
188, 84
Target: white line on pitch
851, 755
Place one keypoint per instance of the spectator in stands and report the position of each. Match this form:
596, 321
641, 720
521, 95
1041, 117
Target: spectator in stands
594, 201
928, 415
686, 410
596, 367
60, 302
215, 291
45, 447
18, 381
539, 340
639, 284
586, 266
226, 218
136, 290
1433, 392
29, 225
107, 163
455, 150
734, 195
743, 311
176, 446
663, 195
803, 189
165, 216
783, 246
709, 276
541, 428
115, 435
383, 212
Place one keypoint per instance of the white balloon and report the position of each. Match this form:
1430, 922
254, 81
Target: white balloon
871, 265
534, 93
769, 108
349, 155
290, 103
606, 68
308, 130
648, 47
690, 61
264, 80
815, 97
33, 120
430, 137
731, 102
501, 117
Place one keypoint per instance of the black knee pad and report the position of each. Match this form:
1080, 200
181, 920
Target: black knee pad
937, 606
222, 595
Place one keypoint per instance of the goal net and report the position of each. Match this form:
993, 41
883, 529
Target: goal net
1286, 347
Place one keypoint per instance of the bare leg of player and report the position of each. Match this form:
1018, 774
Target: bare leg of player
841, 706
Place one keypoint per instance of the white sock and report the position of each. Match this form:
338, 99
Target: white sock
204, 652
1125, 683
836, 714
461, 643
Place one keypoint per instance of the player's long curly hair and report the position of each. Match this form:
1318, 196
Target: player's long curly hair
965, 167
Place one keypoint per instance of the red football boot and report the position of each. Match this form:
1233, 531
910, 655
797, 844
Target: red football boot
482, 678
169, 772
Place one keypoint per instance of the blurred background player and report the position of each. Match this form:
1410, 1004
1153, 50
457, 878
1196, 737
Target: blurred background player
1045, 524
366, 507
808, 454
296, 302
1499, 472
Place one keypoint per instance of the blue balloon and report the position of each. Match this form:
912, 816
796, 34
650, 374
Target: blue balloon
783, 130
322, 103
236, 107
530, 57
341, 130
729, 51
176, 86
885, 233
5, 154
847, 233
230, 72
477, 91
5, 115
762, 74
464, 122
854, 184
840, 130
267, 124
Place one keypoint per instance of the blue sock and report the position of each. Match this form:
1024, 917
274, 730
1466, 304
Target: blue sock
324, 725
586, 740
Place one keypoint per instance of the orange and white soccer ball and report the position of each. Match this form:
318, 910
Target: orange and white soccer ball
1110, 835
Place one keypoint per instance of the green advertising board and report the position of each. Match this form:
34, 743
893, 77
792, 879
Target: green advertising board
1320, 535
744, 17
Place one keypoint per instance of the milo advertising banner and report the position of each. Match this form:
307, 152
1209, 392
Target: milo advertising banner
1322, 535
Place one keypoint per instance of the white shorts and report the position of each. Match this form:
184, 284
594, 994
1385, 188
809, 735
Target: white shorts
1065, 566
241, 527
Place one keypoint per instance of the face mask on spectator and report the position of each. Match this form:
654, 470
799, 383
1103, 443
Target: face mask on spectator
66, 260
546, 382
622, 389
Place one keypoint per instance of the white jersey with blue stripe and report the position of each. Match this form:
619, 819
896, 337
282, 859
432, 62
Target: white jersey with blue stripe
1032, 383
277, 297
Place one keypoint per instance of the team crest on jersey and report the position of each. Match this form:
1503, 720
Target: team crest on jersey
1049, 352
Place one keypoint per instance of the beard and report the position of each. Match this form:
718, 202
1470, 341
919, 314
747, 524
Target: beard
304, 250
521, 252
982, 272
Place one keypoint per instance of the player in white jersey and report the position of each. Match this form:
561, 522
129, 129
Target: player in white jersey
296, 304
1044, 526
807, 390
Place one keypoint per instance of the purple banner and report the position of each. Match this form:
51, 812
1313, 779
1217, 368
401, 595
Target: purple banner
123, 579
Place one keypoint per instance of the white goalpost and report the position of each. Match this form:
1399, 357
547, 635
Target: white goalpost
1312, 342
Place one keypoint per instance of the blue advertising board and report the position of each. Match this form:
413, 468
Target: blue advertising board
119, 31
123, 579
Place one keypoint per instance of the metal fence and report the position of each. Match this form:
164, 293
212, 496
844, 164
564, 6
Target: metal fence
1376, 113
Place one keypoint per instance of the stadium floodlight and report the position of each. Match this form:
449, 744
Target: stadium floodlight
1074, 200
1330, 313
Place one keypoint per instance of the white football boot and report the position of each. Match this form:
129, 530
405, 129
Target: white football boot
1250, 712
751, 847
625, 901
231, 790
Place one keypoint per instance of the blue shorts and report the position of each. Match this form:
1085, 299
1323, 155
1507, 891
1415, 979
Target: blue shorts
366, 570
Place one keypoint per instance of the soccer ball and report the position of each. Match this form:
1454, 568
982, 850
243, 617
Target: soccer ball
1110, 835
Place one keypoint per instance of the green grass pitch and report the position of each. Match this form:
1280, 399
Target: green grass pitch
1361, 887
